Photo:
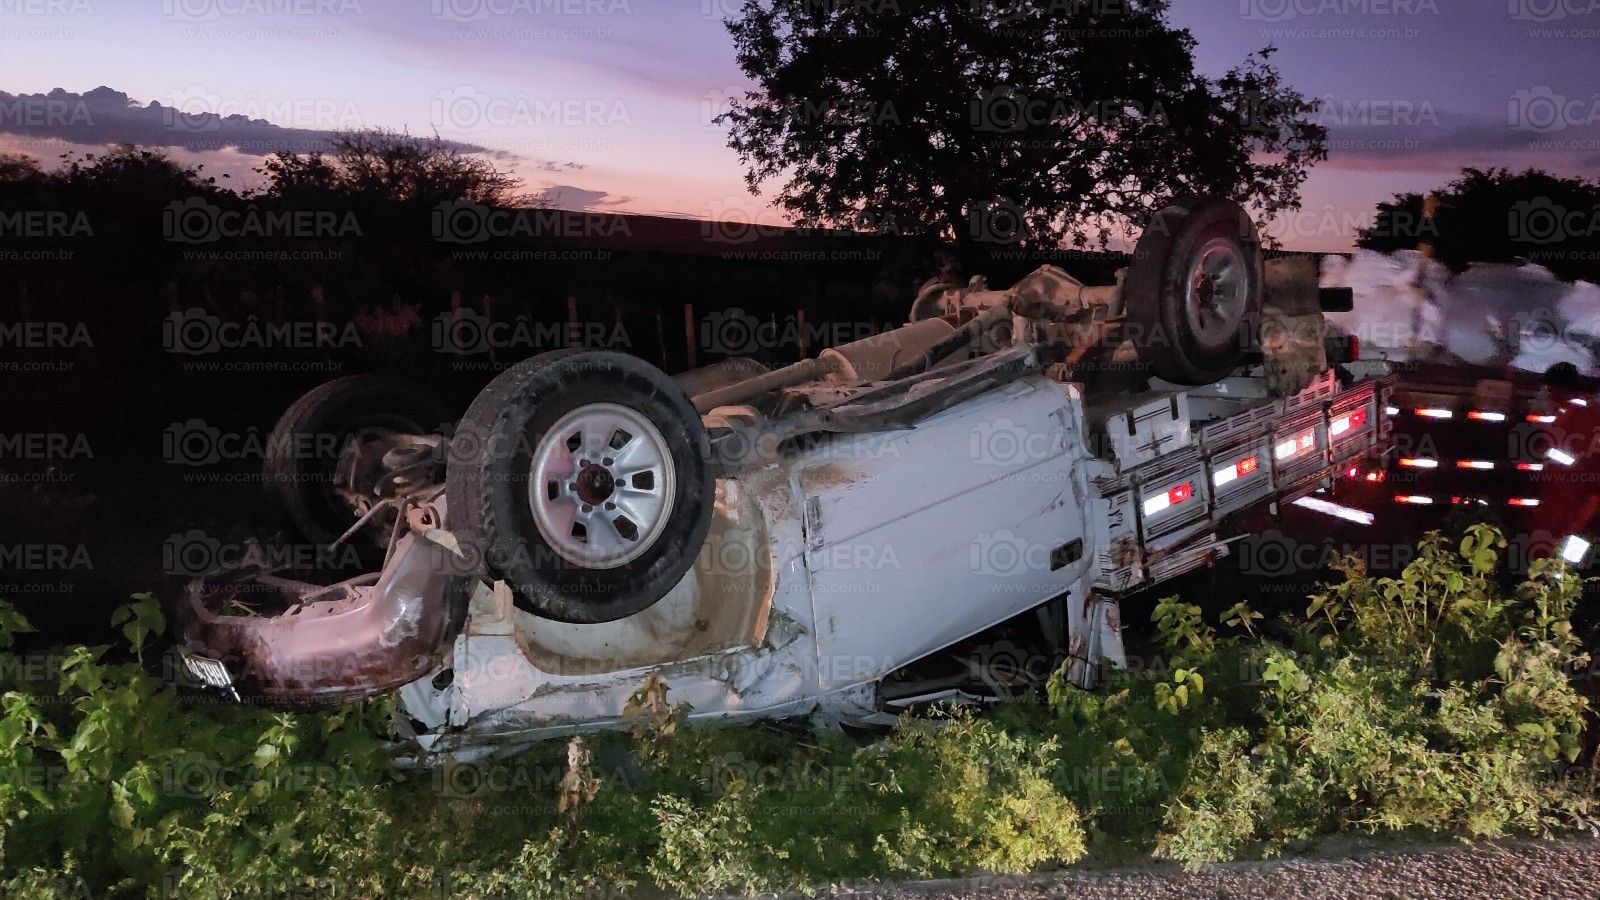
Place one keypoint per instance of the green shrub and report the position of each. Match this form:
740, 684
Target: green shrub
1433, 702
972, 796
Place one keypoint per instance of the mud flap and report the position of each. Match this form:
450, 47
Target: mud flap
1100, 643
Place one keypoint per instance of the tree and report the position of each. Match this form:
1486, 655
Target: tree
21, 181
387, 166
129, 170
1024, 121
19, 167
126, 194
1499, 216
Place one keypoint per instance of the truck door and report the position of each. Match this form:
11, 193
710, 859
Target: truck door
918, 538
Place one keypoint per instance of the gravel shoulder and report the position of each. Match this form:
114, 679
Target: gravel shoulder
1502, 870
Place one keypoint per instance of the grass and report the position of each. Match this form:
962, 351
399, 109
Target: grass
1437, 703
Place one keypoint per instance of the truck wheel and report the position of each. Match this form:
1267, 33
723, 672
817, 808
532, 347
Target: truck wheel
581, 479
1194, 290
303, 450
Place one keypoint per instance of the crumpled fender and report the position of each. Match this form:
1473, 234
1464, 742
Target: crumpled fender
366, 642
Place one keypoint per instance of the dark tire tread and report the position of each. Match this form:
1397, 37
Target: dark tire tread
286, 485
473, 495
1165, 347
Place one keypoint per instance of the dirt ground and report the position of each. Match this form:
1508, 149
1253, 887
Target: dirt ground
1561, 869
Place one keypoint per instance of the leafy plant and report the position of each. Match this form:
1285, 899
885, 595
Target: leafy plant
1433, 701
1240, 615
1438, 701
1181, 628
977, 146
1174, 696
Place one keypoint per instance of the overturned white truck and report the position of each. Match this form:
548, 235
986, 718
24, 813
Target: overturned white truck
824, 539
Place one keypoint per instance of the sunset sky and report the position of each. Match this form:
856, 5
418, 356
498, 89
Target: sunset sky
606, 104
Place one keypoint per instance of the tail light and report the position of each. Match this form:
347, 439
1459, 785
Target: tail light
1295, 445
1171, 498
1232, 473
1345, 423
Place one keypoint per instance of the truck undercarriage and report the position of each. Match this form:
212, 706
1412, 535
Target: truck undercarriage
842, 538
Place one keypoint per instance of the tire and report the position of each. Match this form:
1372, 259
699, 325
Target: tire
1195, 336
557, 517
303, 449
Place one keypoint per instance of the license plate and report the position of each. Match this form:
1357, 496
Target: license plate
208, 671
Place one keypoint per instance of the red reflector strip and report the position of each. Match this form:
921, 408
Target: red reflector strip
1530, 467
1162, 502
1541, 420
1480, 464
1414, 499
1523, 501
1295, 446
1229, 474
1346, 423
1433, 412
1479, 415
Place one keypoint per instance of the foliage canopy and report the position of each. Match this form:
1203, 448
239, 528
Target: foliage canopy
1005, 122
1496, 215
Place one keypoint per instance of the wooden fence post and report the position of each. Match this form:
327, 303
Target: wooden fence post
455, 316
320, 309
688, 333
488, 315
661, 341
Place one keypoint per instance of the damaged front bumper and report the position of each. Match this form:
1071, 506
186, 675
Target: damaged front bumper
333, 643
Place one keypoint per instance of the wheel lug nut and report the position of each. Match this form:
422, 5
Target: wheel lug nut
588, 508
